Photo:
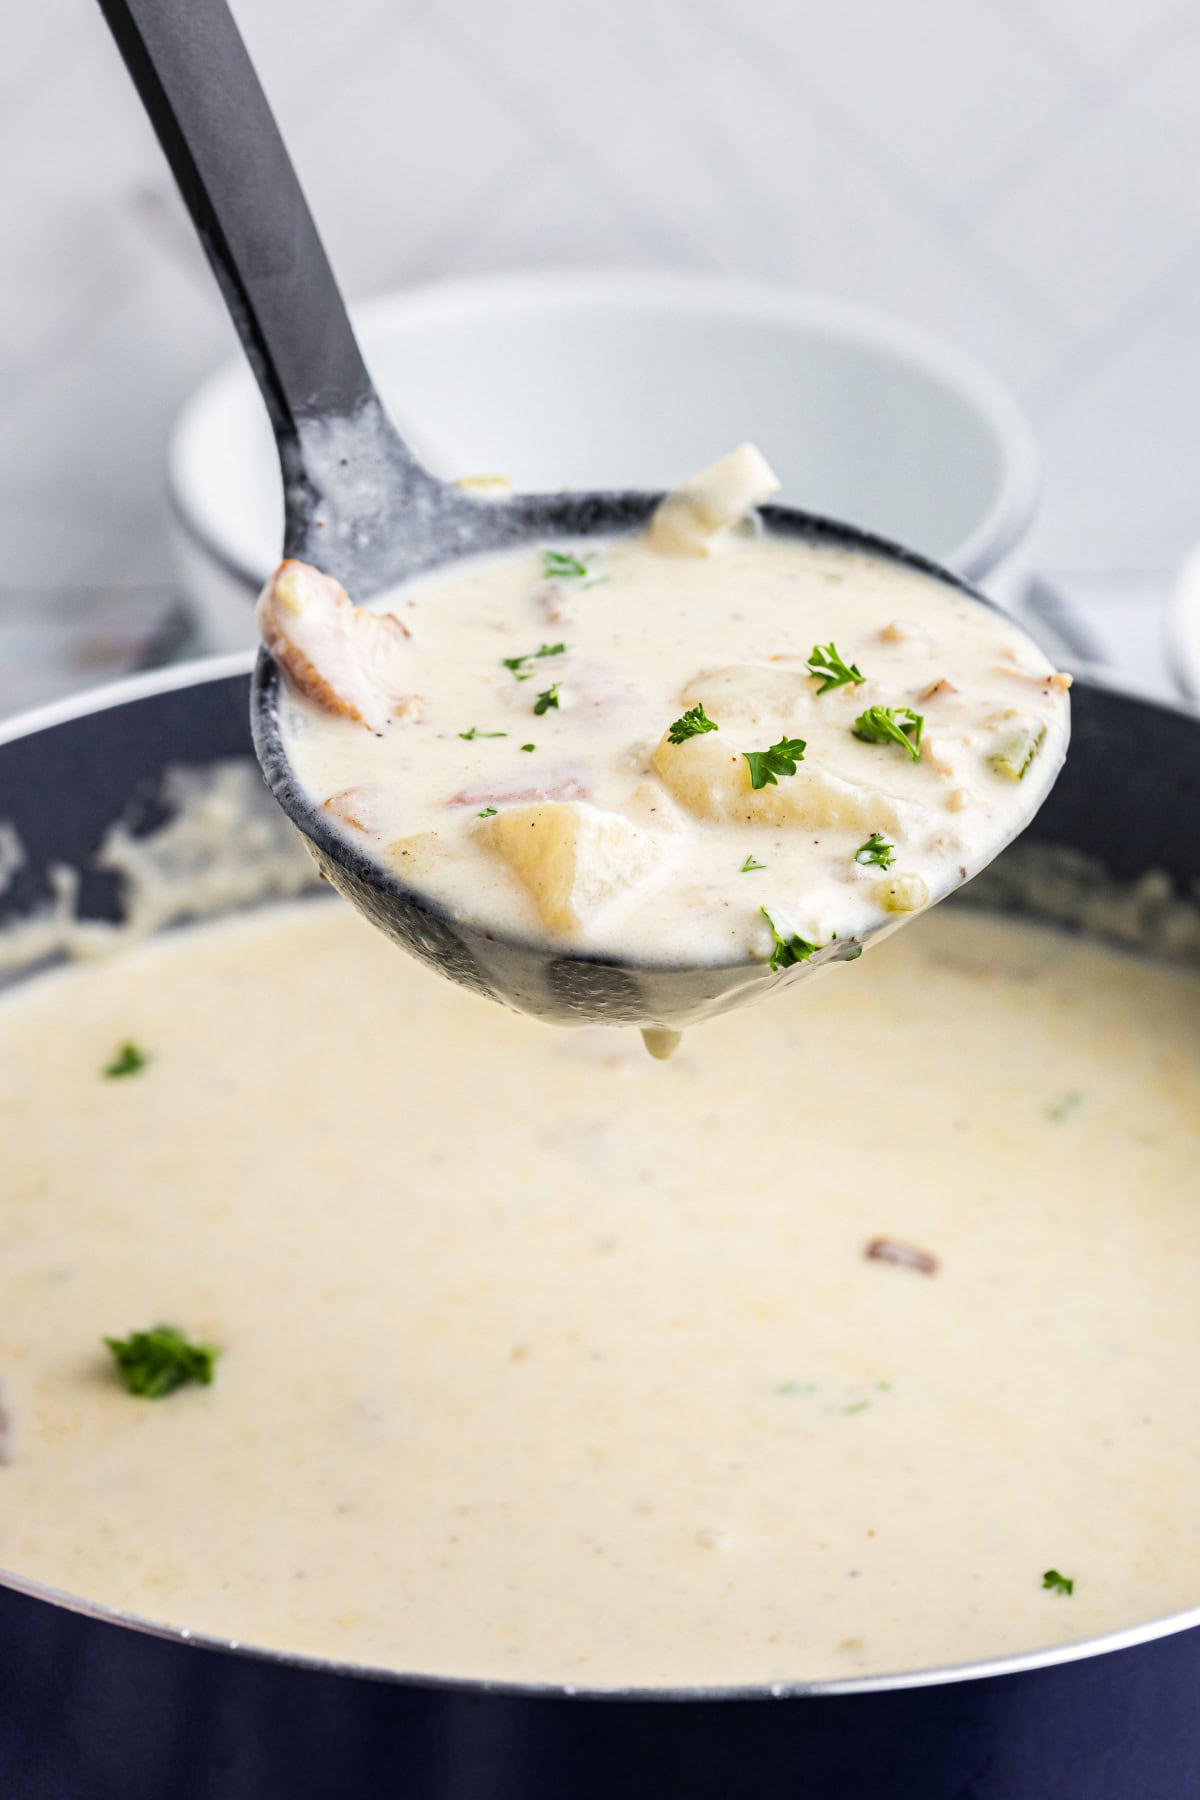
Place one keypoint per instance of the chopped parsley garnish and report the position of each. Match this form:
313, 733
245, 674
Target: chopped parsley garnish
876, 850
827, 667
128, 1060
749, 866
529, 746
788, 949
796, 1387
156, 1362
1058, 1584
559, 565
545, 701
781, 759
475, 732
693, 723
891, 725
489, 812
858, 1406
516, 663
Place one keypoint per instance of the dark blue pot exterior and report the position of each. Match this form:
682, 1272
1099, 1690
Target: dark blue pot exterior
91, 1710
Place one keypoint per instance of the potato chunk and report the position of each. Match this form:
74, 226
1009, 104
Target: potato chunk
574, 859
744, 694
690, 520
345, 659
711, 780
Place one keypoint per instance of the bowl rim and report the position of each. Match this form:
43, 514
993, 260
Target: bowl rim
1181, 625
751, 301
202, 670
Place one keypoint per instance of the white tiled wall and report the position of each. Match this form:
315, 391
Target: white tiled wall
1017, 175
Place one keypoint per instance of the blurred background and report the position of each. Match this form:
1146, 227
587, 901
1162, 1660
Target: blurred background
1016, 177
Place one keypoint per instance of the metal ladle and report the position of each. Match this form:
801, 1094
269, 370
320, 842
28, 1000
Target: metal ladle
359, 506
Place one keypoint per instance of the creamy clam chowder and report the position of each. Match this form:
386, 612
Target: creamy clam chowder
502, 1352
702, 743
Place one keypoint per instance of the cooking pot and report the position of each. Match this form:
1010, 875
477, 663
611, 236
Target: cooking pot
94, 1706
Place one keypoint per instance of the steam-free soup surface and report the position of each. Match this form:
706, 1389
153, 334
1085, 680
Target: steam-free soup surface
541, 1360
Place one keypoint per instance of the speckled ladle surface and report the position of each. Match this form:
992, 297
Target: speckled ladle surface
358, 505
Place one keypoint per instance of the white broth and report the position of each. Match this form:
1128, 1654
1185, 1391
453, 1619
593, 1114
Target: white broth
749, 746
541, 1360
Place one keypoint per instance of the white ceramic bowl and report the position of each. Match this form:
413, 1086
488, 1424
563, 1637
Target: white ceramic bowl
610, 380
1183, 626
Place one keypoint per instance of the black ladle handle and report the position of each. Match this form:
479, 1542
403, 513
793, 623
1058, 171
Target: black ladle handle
340, 454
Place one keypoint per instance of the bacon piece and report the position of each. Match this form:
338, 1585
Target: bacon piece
905, 1256
346, 660
1056, 679
566, 787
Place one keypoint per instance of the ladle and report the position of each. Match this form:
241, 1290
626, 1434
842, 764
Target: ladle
359, 505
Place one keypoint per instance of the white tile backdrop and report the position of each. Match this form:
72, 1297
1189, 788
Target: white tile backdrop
1019, 176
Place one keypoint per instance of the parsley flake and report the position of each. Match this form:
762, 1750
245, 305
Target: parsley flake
545, 701
693, 723
876, 850
128, 1060
559, 565
529, 746
827, 667
749, 866
781, 759
1058, 1584
788, 949
154, 1363
475, 732
891, 725
516, 663
489, 812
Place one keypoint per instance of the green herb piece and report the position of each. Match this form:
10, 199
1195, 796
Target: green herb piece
883, 725
749, 866
156, 1362
781, 759
827, 667
796, 1387
790, 949
475, 732
516, 663
1058, 1584
876, 850
545, 701
859, 1406
128, 1060
1016, 751
693, 723
558, 565
489, 812
529, 746
1062, 1109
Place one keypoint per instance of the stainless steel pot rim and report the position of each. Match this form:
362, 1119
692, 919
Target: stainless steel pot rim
1020, 1662
218, 668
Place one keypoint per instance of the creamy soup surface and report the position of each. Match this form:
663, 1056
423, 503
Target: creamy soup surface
541, 1360
675, 756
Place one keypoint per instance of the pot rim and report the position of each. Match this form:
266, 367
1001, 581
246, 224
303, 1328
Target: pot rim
199, 672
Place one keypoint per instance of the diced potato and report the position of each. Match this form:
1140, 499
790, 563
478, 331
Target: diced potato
689, 521
345, 659
573, 859
710, 778
1015, 749
745, 695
